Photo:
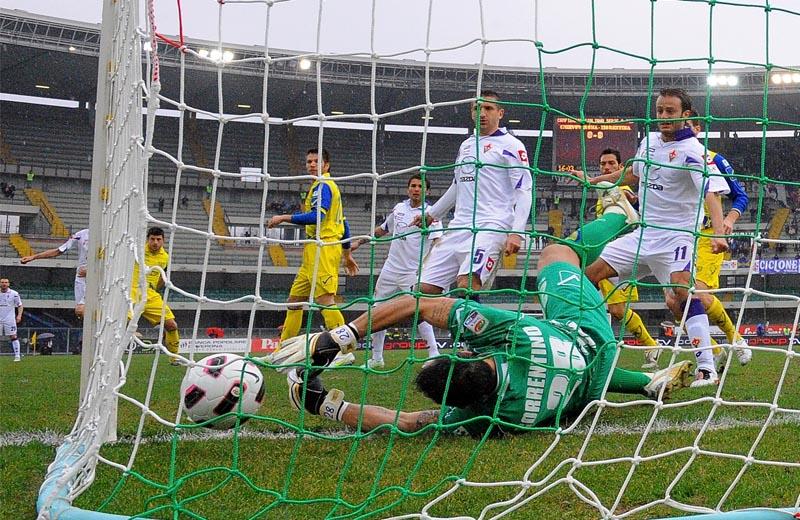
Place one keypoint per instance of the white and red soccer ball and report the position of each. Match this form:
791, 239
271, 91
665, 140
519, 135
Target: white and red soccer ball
216, 385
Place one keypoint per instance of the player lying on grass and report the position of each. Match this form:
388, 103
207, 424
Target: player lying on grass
521, 372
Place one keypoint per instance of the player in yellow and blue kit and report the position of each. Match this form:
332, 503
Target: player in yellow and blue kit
708, 263
618, 301
156, 256
324, 202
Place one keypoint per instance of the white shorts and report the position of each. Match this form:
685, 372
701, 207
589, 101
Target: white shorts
390, 283
80, 290
8, 328
660, 254
456, 255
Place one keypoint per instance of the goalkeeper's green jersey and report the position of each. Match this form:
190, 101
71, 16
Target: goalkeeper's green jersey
545, 367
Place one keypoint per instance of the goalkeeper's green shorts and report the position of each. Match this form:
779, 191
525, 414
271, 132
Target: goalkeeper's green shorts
568, 298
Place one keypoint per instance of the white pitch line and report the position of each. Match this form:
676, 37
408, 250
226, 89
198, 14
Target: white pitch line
52, 438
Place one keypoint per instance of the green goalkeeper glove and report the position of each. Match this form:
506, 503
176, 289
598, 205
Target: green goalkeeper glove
322, 348
317, 401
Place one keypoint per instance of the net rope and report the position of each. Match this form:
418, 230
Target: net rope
126, 216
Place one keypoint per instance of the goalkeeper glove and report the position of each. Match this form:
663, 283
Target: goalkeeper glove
322, 348
318, 401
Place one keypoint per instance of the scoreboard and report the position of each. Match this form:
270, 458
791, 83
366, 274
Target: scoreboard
598, 133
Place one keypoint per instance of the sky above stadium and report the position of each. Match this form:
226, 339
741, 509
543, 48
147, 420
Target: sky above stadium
680, 29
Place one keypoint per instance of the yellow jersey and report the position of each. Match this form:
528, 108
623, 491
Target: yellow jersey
331, 221
157, 259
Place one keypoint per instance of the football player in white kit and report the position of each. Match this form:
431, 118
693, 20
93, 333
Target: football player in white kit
490, 201
81, 239
399, 271
669, 171
10, 314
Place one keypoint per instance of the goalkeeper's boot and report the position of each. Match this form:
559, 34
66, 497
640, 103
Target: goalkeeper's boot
704, 377
742, 351
614, 200
315, 399
651, 358
670, 379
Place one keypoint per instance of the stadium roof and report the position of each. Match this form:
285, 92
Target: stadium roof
62, 55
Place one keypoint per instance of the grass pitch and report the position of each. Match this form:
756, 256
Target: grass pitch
293, 466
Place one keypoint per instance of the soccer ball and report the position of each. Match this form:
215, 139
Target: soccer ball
215, 386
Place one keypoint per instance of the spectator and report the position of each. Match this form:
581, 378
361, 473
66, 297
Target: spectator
185, 201
247, 235
209, 189
29, 179
161, 204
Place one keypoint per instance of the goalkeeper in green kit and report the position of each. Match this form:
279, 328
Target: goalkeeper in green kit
518, 372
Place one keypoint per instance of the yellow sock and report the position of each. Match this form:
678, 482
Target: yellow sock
292, 323
634, 324
717, 316
172, 340
333, 318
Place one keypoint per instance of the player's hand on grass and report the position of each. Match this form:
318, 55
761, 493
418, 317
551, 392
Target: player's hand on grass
513, 243
719, 245
350, 264
321, 348
312, 395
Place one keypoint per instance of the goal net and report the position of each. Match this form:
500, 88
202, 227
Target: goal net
134, 453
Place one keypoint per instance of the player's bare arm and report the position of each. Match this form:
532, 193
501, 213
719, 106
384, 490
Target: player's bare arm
375, 416
718, 243
50, 253
378, 232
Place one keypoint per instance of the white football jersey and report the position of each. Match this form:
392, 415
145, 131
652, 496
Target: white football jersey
404, 253
669, 194
9, 301
494, 206
81, 239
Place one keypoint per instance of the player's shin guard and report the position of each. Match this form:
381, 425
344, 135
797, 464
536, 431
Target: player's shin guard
700, 336
292, 323
378, 339
333, 318
592, 237
718, 316
172, 340
426, 332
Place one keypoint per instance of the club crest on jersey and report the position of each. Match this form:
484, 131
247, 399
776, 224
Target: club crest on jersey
487, 147
695, 342
523, 155
489, 264
475, 322
672, 155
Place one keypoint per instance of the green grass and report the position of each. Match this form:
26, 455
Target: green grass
331, 472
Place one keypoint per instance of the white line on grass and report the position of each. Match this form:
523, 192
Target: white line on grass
52, 438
